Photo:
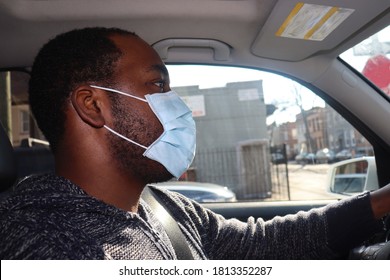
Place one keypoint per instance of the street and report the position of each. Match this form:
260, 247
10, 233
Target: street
306, 182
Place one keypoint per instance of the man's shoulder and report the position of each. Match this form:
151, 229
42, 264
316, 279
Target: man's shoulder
39, 201
36, 222
46, 183
29, 235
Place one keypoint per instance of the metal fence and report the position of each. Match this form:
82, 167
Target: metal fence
280, 176
280, 182
247, 169
218, 166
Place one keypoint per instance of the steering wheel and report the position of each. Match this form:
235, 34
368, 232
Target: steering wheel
376, 251
380, 251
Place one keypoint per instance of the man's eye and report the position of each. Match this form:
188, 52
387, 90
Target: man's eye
160, 84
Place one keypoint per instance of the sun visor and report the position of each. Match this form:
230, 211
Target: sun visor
296, 31
312, 22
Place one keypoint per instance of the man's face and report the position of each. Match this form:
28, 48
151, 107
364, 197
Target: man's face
140, 71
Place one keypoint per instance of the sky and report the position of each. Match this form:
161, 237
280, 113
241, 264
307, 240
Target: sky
277, 89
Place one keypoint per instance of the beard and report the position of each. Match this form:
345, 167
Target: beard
128, 156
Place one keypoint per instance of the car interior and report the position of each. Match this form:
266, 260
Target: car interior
306, 44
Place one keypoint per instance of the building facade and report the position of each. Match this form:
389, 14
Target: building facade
320, 128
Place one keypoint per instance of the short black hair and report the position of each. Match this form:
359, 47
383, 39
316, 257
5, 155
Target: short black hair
70, 59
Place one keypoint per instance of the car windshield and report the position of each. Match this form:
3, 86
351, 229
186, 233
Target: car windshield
372, 58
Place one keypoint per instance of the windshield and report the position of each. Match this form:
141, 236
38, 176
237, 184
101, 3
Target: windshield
372, 58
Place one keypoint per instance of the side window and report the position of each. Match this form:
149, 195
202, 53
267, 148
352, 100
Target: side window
15, 112
32, 151
24, 121
371, 57
263, 136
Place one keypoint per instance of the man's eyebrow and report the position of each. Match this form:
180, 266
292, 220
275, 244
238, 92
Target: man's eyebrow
160, 68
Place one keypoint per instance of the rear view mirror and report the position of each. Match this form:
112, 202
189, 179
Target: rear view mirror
353, 176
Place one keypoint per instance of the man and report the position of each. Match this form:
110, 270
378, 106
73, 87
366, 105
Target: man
102, 99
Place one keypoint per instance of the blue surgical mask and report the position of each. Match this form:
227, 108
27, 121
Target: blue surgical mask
175, 148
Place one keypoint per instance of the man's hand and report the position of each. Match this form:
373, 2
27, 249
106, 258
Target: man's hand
380, 202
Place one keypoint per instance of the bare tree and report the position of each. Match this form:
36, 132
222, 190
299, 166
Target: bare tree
296, 90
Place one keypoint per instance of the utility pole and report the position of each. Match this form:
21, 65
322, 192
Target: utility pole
5, 103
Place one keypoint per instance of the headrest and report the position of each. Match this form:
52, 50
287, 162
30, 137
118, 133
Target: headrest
8, 167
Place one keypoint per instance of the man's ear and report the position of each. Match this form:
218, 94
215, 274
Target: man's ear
88, 103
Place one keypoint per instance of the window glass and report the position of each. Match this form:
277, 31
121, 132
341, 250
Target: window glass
372, 58
263, 136
25, 121
31, 150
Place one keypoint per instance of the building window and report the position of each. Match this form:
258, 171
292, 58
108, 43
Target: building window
285, 136
24, 121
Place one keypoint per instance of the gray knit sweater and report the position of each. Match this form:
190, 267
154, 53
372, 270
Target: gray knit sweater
49, 217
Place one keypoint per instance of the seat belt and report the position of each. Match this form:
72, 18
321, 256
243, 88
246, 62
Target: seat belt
171, 227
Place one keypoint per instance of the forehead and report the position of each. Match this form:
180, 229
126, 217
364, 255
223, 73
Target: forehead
138, 55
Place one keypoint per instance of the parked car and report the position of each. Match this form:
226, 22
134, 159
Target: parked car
306, 158
200, 192
228, 60
325, 156
343, 155
300, 158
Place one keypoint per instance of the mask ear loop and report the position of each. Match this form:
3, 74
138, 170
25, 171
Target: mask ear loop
120, 92
113, 131
125, 138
